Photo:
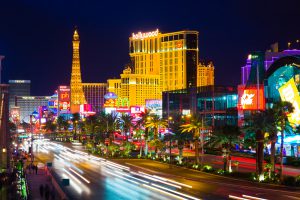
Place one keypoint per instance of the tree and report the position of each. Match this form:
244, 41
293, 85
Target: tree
262, 123
226, 137
175, 127
60, 122
126, 123
155, 122
12, 126
282, 110
75, 120
111, 122
90, 125
25, 125
50, 126
142, 123
139, 132
195, 126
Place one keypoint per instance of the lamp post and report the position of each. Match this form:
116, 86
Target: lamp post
170, 137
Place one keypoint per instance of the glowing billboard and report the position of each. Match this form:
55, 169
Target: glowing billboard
64, 94
15, 113
251, 99
289, 92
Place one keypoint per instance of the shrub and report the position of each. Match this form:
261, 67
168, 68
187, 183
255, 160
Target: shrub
297, 180
220, 171
207, 168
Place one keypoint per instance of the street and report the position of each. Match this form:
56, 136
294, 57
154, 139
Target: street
96, 178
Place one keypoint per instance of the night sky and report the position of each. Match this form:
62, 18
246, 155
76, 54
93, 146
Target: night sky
36, 36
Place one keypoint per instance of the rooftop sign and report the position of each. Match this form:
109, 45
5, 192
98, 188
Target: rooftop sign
141, 36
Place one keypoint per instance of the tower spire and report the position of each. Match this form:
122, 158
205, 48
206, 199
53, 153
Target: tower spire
77, 95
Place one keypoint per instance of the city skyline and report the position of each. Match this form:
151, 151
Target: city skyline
104, 37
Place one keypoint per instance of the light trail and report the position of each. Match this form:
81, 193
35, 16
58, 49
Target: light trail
172, 181
122, 177
157, 180
162, 191
124, 174
238, 198
76, 179
251, 197
79, 175
179, 193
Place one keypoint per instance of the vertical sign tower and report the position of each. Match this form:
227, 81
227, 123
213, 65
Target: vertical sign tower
77, 95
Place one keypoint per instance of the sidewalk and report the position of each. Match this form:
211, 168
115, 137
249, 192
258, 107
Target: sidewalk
35, 180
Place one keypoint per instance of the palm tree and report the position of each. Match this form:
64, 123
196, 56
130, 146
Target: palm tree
260, 123
282, 110
60, 122
226, 137
50, 126
75, 120
111, 122
175, 127
142, 123
126, 122
90, 125
138, 135
155, 122
195, 126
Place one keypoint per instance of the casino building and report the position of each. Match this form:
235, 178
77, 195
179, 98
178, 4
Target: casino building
268, 78
160, 62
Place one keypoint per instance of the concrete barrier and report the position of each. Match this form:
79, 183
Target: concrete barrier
57, 187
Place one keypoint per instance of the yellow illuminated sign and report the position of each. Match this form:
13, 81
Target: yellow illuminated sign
289, 92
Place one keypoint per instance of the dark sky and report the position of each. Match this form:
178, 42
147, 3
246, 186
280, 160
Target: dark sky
36, 36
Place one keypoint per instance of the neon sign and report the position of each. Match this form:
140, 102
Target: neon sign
250, 99
289, 92
142, 36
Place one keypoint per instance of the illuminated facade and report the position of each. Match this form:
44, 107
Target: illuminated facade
94, 94
29, 104
18, 88
172, 56
205, 74
5, 136
114, 85
135, 87
216, 104
77, 94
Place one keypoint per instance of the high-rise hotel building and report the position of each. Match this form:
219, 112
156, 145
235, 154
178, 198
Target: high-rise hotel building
159, 62
205, 74
94, 95
172, 56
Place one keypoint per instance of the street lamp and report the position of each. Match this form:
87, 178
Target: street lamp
170, 137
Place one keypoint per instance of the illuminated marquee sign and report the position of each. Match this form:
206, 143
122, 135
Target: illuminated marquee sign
289, 92
250, 99
142, 36
64, 94
15, 113
64, 106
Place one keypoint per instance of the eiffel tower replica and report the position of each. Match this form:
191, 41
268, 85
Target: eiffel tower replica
77, 95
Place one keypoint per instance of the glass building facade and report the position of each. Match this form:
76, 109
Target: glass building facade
217, 104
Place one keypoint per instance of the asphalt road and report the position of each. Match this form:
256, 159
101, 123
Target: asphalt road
95, 178
144, 179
